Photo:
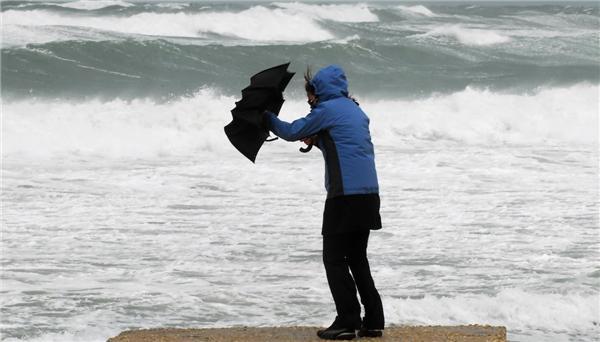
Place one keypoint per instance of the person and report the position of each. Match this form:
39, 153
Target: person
340, 129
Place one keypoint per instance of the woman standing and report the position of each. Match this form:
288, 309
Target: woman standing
340, 129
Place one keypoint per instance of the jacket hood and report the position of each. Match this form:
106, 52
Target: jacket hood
330, 82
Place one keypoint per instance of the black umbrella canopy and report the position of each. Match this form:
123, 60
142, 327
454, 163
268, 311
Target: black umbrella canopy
246, 131
277, 76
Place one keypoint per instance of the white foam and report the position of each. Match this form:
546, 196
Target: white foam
202, 247
117, 128
176, 5
517, 309
346, 40
417, 10
469, 36
257, 23
475, 116
146, 129
94, 4
21, 35
354, 13
87, 334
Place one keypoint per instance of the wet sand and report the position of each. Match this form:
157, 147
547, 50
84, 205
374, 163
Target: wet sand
468, 333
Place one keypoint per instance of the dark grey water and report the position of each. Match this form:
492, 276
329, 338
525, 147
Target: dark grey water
165, 50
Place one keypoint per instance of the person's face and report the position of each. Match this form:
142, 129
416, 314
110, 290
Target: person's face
312, 99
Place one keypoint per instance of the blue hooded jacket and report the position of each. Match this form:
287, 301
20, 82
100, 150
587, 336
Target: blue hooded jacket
343, 135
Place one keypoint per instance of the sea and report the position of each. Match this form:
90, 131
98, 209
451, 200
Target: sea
124, 205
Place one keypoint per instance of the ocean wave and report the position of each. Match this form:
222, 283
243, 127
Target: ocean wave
527, 32
417, 10
563, 20
21, 35
520, 311
282, 22
177, 5
79, 334
257, 23
144, 128
479, 116
179, 66
469, 36
352, 13
117, 128
528, 315
94, 4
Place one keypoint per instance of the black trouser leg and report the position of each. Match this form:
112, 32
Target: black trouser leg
369, 296
340, 282
340, 254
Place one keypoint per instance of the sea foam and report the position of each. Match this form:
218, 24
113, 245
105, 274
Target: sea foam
469, 36
517, 309
285, 22
94, 5
417, 10
476, 116
354, 13
21, 35
117, 128
144, 128
257, 23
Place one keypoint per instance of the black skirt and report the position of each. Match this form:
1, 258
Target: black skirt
351, 213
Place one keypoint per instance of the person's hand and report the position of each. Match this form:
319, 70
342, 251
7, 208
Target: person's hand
266, 120
312, 140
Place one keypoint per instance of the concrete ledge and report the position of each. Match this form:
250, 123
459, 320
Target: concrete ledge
466, 333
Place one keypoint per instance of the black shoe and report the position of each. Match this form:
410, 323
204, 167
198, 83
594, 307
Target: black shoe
337, 331
364, 332
336, 334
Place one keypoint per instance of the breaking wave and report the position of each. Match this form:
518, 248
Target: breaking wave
95, 4
190, 125
417, 10
283, 22
160, 68
522, 312
469, 36
475, 116
353, 13
257, 23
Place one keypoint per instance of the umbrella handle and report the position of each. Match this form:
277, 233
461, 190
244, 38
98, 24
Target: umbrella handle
307, 149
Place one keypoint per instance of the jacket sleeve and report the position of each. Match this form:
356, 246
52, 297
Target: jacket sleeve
300, 128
